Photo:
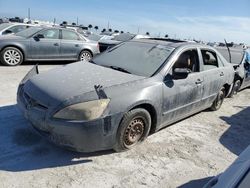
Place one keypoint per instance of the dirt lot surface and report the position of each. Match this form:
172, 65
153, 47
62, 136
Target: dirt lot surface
186, 154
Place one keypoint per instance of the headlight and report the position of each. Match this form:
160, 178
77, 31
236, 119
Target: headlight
83, 111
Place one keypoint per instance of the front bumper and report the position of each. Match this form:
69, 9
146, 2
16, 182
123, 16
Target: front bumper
81, 136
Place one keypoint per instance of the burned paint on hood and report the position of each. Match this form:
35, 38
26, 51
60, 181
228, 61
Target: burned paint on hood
57, 85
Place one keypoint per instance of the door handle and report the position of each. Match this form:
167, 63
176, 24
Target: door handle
56, 44
199, 81
76, 45
222, 74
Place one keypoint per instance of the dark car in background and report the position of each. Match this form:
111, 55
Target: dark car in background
126, 92
109, 43
45, 44
236, 176
238, 58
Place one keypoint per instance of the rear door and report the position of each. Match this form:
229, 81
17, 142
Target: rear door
214, 75
182, 97
71, 44
47, 47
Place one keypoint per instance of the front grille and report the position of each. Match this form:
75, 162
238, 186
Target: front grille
30, 102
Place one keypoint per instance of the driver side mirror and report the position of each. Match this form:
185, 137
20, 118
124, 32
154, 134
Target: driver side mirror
7, 32
38, 37
181, 73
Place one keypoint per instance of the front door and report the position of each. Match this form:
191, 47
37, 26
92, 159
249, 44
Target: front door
182, 96
47, 46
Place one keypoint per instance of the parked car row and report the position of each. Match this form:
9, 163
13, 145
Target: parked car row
122, 95
136, 86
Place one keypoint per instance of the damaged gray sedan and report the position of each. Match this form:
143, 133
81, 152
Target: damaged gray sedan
125, 93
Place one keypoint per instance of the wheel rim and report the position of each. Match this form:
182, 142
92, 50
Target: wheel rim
85, 56
220, 99
12, 57
134, 132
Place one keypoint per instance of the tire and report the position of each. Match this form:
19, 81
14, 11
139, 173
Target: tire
138, 120
219, 100
85, 55
236, 88
11, 56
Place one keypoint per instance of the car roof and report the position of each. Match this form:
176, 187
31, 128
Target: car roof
16, 23
172, 43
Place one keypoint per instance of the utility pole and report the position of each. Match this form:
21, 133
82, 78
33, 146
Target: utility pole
29, 14
54, 21
138, 30
77, 21
108, 24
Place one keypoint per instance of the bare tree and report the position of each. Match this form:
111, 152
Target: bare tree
96, 28
90, 26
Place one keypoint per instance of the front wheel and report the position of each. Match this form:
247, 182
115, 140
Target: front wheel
11, 56
134, 128
85, 55
219, 100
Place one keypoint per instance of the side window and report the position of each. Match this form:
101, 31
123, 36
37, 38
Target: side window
210, 59
69, 35
50, 33
189, 60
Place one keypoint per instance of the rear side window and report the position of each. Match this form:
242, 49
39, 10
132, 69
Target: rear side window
210, 59
69, 35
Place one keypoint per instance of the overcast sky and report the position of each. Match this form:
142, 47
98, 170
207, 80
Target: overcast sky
209, 20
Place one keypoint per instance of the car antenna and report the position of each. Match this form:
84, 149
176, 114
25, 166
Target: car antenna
230, 57
37, 71
100, 92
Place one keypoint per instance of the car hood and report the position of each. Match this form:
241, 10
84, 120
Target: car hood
58, 85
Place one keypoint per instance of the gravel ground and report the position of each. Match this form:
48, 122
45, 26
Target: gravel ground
185, 154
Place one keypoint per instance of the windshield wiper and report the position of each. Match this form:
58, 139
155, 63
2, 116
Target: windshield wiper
119, 69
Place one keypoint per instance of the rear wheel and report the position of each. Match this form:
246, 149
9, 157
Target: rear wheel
133, 129
219, 100
11, 56
85, 55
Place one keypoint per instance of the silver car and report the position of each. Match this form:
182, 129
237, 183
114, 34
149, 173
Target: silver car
45, 44
125, 93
